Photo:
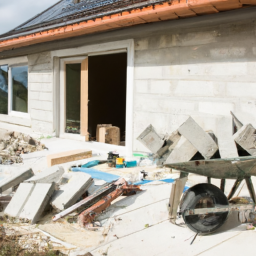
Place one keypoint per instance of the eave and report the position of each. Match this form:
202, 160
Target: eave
158, 12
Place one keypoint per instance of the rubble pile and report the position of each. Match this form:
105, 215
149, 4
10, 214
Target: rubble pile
14, 240
14, 144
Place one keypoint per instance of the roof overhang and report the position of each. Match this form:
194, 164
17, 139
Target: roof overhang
158, 12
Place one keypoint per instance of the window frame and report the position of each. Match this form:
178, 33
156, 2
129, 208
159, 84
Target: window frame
10, 87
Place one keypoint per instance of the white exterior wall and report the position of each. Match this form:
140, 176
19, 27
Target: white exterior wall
40, 83
204, 72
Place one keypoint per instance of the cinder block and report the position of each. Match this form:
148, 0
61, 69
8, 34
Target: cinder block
52, 174
183, 152
19, 200
42, 115
72, 191
227, 145
216, 108
69, 156
37, 202
16, 179
245, 137
201, 140
150, 139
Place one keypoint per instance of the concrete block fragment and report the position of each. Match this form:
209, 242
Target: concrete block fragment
201, 140
37, 202
245, 137
72, 191
183, 152
150, 139
237, 122
16, 179
19, 200
69, 156
52, 174
227, 145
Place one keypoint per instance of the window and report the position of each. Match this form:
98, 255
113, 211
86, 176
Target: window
19, 85
4, 89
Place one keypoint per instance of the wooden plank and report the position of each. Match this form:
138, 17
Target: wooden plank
68, 156
177, 190
84, 99
98, 137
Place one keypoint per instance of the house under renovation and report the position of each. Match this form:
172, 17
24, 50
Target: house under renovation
129, 63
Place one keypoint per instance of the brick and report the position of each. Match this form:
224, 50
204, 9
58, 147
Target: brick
201, 140
69, 156
245, 137
227, 146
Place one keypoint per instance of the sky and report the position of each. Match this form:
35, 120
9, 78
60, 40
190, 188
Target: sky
15, 12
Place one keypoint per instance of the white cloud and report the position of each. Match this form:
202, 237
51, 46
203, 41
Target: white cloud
15, 12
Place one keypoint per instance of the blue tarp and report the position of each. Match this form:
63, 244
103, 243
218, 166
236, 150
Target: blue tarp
143, 182
95, 174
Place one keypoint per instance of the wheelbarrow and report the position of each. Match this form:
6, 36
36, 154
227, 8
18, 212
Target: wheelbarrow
204, 207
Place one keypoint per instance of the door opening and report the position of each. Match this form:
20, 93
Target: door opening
107, 93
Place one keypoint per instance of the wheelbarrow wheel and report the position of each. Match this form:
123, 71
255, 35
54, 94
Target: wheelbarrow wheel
204, 196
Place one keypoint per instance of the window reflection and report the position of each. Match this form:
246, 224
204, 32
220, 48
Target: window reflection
4, 89
20, 89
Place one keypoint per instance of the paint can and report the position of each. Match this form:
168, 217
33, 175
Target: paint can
119, 163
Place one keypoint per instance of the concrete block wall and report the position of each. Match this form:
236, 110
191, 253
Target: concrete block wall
205, 72
40, 83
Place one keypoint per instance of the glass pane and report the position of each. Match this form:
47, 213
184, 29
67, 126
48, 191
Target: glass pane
73, 93
20, 89
4, 90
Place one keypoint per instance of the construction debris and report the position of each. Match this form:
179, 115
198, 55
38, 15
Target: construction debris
14, 144
91, 213
151, 140
226, 143
71, 192
245, 137
52, 174
69, 156
183, 152
29, 201
16, 178
201, 140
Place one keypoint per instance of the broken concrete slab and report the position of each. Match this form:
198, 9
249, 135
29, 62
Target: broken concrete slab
171, 143
150, 139
37, 202
237, 122
16, 179
70, 193
245, 137
227, 145
19, 200
183, 152
52, 174
201, 140
68, 156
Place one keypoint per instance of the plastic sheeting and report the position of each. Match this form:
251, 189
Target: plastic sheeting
95, 174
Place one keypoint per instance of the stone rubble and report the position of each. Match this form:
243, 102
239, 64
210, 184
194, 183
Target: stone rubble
14, 144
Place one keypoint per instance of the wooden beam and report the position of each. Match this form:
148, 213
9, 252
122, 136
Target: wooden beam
84, 99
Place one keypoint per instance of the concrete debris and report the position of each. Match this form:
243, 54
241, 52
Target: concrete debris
201, 140
183, 152
14, 144
52, 174
237, 123
16, 179
151, 140
37, 202
227, 145
245, 137
29, 201
71, 192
